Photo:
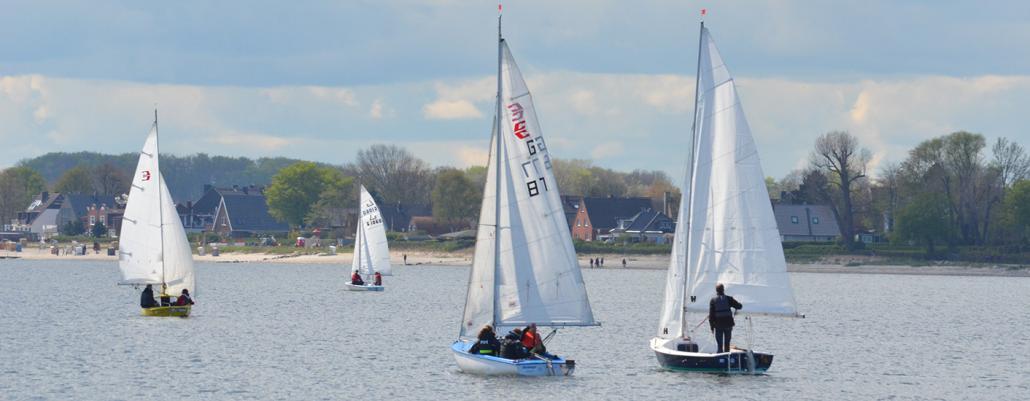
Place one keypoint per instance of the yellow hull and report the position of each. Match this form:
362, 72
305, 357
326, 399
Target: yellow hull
168, 311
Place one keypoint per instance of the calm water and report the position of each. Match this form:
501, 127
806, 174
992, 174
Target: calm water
265, 331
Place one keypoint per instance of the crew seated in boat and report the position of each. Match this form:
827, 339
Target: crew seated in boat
377, 279
531, 340
184, 299
511, 345
487, 343
355, 279
146, 299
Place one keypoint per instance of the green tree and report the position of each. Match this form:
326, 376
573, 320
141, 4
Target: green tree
1017, 204
99, 230
338, 196
455, 197
924, 220
110, 180
77, 180
18, 186
296, 190
74, 227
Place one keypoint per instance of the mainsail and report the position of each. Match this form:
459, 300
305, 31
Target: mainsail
524, 269
726, 232
371, 253
152, 244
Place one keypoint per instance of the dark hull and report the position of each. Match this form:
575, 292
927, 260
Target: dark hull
736, 362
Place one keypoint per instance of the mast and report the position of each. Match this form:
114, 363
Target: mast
497, 168
690, 183
160, 199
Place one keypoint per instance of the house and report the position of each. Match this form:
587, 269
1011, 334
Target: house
48, 212
808, 223
648, 225
398, 216
599, 216
109, 216
242, 212
570, 205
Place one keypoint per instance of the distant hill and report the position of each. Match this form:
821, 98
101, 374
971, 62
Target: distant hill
184, 175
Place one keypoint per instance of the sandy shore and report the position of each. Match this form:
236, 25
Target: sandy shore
611, 261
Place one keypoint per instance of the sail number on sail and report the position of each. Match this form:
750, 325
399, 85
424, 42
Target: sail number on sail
371, 208
533, 146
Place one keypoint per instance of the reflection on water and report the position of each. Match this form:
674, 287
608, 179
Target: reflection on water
263, 331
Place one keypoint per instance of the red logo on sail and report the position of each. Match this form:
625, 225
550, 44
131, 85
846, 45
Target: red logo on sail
518, 120
146, 175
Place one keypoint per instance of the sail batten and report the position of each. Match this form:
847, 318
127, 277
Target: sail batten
726, 233
524, 269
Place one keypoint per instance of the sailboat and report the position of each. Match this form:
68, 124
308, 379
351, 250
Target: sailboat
524, 268
726, 233
371, 253
152, 245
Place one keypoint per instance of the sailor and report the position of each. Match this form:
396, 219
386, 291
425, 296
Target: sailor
146, 299
184, 299
377, 279
511, 347
720, 317
355, 279
487, 343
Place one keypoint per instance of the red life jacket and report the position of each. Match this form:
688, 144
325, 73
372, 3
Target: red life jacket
528, 339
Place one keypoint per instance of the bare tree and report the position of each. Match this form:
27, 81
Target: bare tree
838, 155
1011, 161
394, 174
889, 183
109, 180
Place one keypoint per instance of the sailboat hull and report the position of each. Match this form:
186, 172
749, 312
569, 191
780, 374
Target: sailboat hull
168, 311
735, 361
365, 287
494, 366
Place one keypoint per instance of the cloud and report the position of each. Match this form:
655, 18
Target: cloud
450, 110
247, 140
470, 156
376, 111
606, 149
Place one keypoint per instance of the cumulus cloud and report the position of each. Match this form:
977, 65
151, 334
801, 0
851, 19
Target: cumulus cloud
450, 110
376, 111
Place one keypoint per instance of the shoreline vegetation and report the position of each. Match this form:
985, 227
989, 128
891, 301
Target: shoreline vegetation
808, 258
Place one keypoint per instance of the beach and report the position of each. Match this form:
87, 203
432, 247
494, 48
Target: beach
831, 265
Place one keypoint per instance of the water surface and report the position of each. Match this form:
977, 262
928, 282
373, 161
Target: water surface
279, 331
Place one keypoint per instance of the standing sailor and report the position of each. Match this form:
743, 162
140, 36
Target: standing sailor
720, 317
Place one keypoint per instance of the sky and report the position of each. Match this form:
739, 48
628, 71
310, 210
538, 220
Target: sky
613, 80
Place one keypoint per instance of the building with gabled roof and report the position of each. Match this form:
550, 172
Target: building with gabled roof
599, 216
244, 213
807, 223
647, 226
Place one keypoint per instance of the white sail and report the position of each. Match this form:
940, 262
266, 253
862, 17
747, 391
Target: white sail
153, 248
529, 274
371, 252
731, 237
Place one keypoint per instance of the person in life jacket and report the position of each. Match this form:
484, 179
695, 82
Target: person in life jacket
487, 343
720, 317
377, 279
184, 299
355, 279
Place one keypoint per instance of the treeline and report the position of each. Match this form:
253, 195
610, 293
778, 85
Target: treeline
313, 194
393, 175
89, 172
950, 191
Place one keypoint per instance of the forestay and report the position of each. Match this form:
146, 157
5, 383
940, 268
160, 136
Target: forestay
371, 252
731, 237
153, 248
529, 274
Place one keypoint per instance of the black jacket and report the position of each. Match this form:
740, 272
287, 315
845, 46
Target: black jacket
720, 316
146, 299
490, 345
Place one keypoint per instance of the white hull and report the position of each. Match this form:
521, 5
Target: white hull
494, 366
366, 287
